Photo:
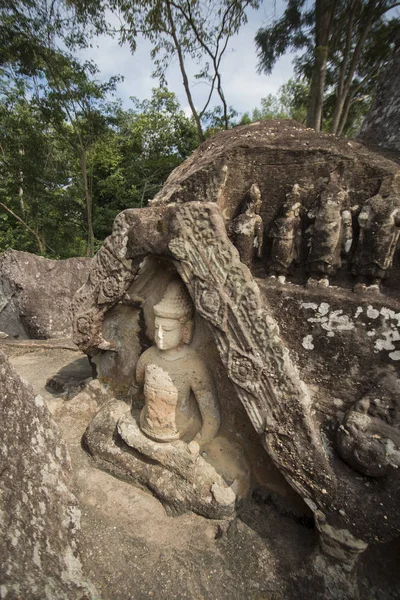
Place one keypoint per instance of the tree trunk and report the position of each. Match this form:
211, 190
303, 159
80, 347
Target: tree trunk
21, 186
184, 75
324, 13
343, 69
345, 113
224, 104
89, 206
344, 89
316, 96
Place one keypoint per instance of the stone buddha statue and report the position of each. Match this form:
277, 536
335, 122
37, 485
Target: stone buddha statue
177, 429
179, 395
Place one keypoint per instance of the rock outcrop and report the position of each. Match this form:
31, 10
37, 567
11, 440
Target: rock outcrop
344, 195
35, 294
39, 515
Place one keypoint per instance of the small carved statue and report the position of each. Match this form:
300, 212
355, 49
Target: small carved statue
247, 229
286, 236
332, 233
379, 222
369, 438
180, 400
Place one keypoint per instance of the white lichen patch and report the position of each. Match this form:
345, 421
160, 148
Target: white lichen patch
246, 228
358, 312
311, 305
386, 342
388, 332
323, 308
331, 322
380, 326
308, 342
38, 400
372, 313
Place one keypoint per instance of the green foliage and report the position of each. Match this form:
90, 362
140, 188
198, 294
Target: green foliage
293, 31
131, 162
289, 103
361, 39
34, 176
129, 155
70, 158
215, 120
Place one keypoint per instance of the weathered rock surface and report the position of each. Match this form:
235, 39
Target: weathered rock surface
35, 294
275, 155
39, 515
71, 379
181, 480
185, 229
132, 549
382, 124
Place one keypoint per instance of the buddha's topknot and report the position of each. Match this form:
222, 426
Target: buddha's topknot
175, 303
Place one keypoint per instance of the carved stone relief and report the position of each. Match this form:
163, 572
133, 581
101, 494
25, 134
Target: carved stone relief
247, 229
258, 364
331, 238
313, 189
369, 438
286, 236
174, 420
379, 222
331, 231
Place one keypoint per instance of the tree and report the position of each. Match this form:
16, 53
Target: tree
37, 210
367, 40
66, 149
337, 36
71, 100
134, 158
324, 15
182, 29
128, 160
289, 103
76, 105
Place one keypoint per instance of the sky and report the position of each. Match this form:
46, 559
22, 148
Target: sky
243, 86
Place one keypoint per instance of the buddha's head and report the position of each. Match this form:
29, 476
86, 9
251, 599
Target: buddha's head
254, 201
173, 317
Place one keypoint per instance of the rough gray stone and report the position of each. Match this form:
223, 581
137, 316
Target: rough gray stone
39, 515
177, 232
35, 294
276, 155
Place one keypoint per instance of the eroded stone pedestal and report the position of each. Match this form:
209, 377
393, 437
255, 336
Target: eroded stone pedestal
213, 483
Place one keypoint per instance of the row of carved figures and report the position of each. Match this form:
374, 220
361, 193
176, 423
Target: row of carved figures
330, 238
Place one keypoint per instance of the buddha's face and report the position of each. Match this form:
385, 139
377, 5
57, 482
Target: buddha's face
168, 333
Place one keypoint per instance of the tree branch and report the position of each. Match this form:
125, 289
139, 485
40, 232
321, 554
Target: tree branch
34, 233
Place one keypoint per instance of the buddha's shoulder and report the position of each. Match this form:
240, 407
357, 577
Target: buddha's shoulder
148, 355
195, 361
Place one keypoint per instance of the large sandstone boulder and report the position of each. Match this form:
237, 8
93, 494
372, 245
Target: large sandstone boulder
275, 154
39, 515
330, 425
35, 294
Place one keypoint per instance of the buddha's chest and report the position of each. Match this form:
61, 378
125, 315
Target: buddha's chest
169, 380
